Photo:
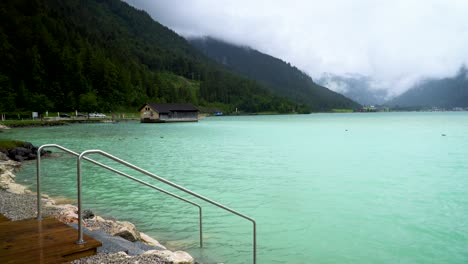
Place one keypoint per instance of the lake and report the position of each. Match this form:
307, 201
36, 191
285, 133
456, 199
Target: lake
323, 188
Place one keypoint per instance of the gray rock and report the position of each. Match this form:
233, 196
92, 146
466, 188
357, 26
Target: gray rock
177, 257
126, 230
88, 214
19, 151
28, 145
113, 244
18, 158
27, 152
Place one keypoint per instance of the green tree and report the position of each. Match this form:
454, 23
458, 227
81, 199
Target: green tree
88, 102
7, 95
40, 103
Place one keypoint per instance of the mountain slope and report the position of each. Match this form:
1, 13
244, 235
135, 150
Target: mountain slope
283, 78
91, 55
444, 93
354, 86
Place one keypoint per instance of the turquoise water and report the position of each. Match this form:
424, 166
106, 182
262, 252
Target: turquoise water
323, 188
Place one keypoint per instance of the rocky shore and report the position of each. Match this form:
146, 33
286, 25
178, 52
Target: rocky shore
25, 151
122, 242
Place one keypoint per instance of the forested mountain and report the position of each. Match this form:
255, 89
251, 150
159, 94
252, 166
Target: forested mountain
280, 76
444, 93
99, 55
354, 86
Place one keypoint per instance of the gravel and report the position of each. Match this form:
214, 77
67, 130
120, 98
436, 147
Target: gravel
20, 206
120, 258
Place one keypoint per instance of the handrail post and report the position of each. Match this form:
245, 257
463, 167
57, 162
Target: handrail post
254, 242
38, 173
201, 226
78, 183
38, 185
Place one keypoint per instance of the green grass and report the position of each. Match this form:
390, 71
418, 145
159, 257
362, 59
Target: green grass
20, 122
29, 123
342, 110
9, 144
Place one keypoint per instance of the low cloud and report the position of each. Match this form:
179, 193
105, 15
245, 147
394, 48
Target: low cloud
395, 43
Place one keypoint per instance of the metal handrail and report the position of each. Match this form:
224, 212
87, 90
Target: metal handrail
39, 205
38, 173
154, 176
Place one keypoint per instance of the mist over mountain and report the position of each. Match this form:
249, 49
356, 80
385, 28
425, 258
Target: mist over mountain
357, 87
283, 78
443, 93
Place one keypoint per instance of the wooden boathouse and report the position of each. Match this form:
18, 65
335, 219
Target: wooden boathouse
161, 113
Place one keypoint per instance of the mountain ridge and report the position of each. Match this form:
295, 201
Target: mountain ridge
282, 77
450, 92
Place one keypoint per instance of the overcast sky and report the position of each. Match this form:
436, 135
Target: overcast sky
395, 42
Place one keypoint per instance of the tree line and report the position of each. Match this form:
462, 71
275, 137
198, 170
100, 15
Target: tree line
102, 55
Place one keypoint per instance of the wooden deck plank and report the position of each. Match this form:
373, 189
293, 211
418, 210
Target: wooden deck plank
3, 219
46, 241
29, 227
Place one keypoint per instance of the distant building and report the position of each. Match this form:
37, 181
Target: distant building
160, 113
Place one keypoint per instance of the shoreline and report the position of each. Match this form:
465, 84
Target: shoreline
18, 202
58, 122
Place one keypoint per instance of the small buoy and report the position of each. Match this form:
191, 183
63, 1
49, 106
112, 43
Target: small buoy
443, 135
346, 129
161, 137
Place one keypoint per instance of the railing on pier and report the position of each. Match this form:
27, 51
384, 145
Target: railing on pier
38, 167
82, 156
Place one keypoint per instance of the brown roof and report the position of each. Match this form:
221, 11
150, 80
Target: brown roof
166, 108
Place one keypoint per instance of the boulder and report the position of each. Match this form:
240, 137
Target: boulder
7, 171
26, 152
18, 158
68, 214
3, 156
19, 151
7, 179
28, 145
99, 219
125, 230
178, 257
10, 164
121, 254
150, 241
88, 214
49, 203
6, 175
16, 188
